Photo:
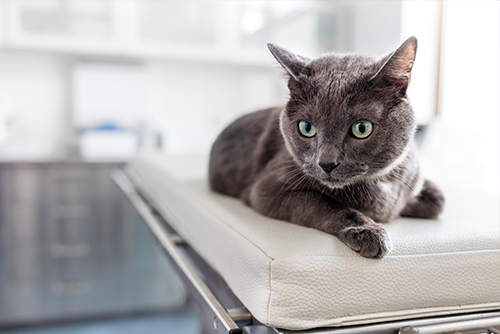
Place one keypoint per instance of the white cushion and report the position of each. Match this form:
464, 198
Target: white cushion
294, 277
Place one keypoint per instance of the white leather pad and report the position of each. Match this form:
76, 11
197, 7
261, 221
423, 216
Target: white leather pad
294, 277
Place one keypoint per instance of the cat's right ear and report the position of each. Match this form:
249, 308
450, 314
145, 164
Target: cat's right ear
291, 62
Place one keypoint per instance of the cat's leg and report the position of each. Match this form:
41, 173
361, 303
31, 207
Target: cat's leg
305, 208
428, 203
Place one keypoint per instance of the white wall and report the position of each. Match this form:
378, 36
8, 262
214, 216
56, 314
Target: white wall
34, 98
188, 103
375, 28
470, 92
422, 19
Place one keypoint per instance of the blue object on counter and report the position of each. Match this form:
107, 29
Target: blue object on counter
108, 127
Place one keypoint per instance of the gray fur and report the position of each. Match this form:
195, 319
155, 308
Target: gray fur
262, 158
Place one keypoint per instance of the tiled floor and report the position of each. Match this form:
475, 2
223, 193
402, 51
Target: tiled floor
175, 322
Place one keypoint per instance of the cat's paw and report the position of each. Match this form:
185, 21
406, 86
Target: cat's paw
429, 203
432, 200
369, 240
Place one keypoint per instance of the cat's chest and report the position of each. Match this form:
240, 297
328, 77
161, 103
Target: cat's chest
387, 192
381, 200
388, 199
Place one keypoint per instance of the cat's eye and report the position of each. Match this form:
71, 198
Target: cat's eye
307, 129
362, 129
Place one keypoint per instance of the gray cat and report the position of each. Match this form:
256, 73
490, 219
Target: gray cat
339, 157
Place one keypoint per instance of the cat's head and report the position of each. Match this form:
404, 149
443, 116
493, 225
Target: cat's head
348, 117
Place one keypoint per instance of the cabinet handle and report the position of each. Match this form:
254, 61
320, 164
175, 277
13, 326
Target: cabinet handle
77, 175
70, 287
69, 250
69, 211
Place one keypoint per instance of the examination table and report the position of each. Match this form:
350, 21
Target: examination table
251, 274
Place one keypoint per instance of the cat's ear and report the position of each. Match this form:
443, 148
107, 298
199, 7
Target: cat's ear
396, 67
291, 62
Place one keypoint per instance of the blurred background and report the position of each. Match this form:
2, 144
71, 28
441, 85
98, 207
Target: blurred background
84, 85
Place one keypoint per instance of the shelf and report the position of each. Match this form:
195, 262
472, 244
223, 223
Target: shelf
145, 52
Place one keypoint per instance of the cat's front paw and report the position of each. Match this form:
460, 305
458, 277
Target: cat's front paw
369, 240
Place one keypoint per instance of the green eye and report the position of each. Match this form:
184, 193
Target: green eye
307, 129
362, 129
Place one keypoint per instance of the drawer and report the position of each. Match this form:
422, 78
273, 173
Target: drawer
55, 299
29, 260
20, 182
70, 231
77, 281
22, 263
26, 259
83, 197
77, 298
22, 302
4, 222
68, 184
70, 172
70, 211
73, 182
22, 219
5, 181
69, 191
71, 223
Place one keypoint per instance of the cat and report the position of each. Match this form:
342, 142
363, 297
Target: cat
340, 157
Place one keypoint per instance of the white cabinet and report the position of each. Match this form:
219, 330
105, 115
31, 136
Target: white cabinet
60, 26
220, 32
62, 20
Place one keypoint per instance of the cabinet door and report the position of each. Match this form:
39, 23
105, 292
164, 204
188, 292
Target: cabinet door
60, 21
20, 188
75, 247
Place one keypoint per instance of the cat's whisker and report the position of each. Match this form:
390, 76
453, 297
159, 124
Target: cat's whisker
290, 185
405, 181
297, 183
351, 195
290, 174
309, 187
276, 204
397, 174
323, 191
367, 192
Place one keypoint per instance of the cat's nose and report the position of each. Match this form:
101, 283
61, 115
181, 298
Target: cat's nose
328, 166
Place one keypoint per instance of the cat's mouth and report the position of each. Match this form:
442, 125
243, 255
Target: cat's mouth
338, 178
335, 182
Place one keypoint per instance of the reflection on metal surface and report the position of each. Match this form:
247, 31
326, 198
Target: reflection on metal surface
177, 239
469, 326
240, 315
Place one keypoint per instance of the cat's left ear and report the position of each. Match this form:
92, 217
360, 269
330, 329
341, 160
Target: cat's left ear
291, 62
396, 67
